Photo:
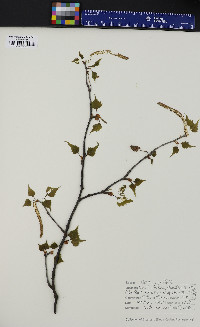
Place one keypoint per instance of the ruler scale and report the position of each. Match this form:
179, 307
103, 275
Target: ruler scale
108, 18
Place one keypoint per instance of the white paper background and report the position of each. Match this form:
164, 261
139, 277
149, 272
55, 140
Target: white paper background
43, 102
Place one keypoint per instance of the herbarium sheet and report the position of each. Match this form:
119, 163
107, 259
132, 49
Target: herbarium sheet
100, 178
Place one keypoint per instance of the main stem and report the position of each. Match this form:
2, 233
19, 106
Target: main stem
53, 285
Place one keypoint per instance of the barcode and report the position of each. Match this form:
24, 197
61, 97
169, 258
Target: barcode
14, 41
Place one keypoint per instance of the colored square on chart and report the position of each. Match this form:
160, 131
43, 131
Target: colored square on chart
65, 13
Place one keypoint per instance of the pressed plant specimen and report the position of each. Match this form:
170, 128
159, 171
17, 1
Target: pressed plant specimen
94, 125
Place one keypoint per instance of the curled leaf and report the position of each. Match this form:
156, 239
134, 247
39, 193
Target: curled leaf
94, 75
30, 191
186, 145
120, 204
74, 148
96, 127
96, 63
59, 259
136, 183
80, 55
96, 104
74, 237
154, 154
135, 148
54, 245
76, 61
27, 203
133, 187
44, 246
91, 151
193, 126
152, 161
175, 150
47, 204
51, 191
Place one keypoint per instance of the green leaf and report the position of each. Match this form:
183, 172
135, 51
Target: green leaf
74, 237
76, 61
96, 63
186, 145
152, 161
80, 55
52, 190
175, 150
91, 151
139, 181
54, 245
193, 126
30, 191
74, 148
96, 127
133, 187
96, 104
59, 259
154, 153
94, 75
136, 183
44, 246
27, 203
47, 204
120, 204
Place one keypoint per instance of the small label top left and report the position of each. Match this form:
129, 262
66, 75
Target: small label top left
26, 41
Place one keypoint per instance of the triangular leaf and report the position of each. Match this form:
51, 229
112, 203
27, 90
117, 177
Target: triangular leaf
186, 145
59, 259
74, 148
175, 150
47, 204
135, 148
30, 191
27, 203
91, 151
52, 191
193, 126
80, 55
120, 204
94, 75
133, 187
44, 246
139, 181
96, 104
96, 63
96, 127
74, 237
54, 245
76, 61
